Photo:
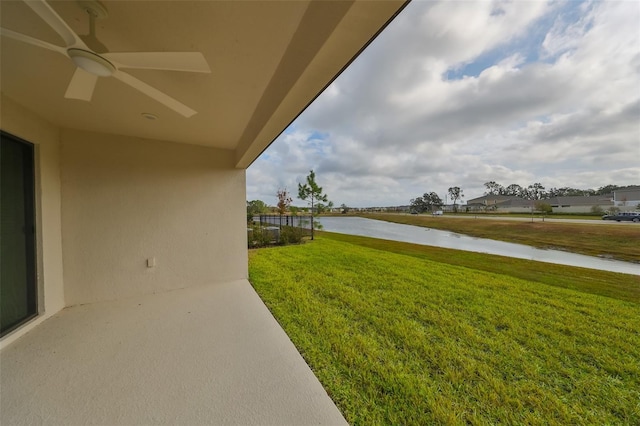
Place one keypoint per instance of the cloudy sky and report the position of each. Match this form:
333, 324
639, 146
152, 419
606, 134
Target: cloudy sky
458, 93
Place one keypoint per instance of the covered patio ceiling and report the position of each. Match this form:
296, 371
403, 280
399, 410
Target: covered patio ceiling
268, 61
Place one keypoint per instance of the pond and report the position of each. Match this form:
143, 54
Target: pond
431, 237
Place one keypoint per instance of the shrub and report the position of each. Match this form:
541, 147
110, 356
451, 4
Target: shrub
542, 207
291, 235
258, 236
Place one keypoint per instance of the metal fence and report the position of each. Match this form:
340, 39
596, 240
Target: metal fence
303, 222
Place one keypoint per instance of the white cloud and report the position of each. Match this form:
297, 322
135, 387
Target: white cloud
460, 93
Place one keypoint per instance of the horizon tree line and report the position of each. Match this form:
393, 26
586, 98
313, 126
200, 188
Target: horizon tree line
538, 192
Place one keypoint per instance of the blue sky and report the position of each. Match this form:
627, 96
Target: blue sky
459, 93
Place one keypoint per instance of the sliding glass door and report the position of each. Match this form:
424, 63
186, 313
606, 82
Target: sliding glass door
18, 301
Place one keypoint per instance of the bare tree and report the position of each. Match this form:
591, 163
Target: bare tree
284, 201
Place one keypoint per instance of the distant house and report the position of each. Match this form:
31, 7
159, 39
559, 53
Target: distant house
499, 203
489, 200
514, 204
581, 204
627, 199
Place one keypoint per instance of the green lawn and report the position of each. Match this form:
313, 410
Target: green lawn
607, 240
399, 338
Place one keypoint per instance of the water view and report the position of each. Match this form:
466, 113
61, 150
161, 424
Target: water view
431, 237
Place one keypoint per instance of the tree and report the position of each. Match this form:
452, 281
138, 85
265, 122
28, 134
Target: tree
456, 194
566, 192
514, 190
608, 189
418, 205
255, 207
542, 207
535, 192
313, 193
344, 208
428, 201
493, 188
323, 208
284, 201
433, 200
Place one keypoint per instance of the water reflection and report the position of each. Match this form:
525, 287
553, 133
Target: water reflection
432, 237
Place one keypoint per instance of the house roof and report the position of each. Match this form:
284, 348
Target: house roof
268, 61
627, 194
578, 200
513, 201
490, 199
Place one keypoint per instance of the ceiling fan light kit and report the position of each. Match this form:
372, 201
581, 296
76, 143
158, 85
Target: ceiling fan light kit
93, 60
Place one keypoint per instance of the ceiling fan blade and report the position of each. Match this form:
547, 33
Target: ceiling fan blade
30, 40
154, 93
46, 12
81, 85
169, 61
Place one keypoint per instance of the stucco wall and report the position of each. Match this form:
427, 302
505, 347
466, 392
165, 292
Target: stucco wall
126, 200
20, 122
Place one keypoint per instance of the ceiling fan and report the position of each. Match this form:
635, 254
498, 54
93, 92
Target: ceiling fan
93, 60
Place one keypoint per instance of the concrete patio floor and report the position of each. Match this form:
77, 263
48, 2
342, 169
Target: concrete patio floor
202, 355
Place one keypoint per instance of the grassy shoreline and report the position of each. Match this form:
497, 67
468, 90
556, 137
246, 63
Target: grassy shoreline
400, 334
607, 241
603, 283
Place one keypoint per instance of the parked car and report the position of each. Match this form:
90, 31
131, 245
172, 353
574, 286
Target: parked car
630, 216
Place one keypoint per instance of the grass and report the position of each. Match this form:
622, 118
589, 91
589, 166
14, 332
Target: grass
603, 283
610, 241
400, 336
538, 216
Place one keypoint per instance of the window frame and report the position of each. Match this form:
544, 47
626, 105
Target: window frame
31, 240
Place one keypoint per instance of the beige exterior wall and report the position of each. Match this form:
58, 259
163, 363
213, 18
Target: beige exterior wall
24, 124
126, 200
105, 204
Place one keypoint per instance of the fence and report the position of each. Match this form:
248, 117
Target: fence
302, 222
276, 229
